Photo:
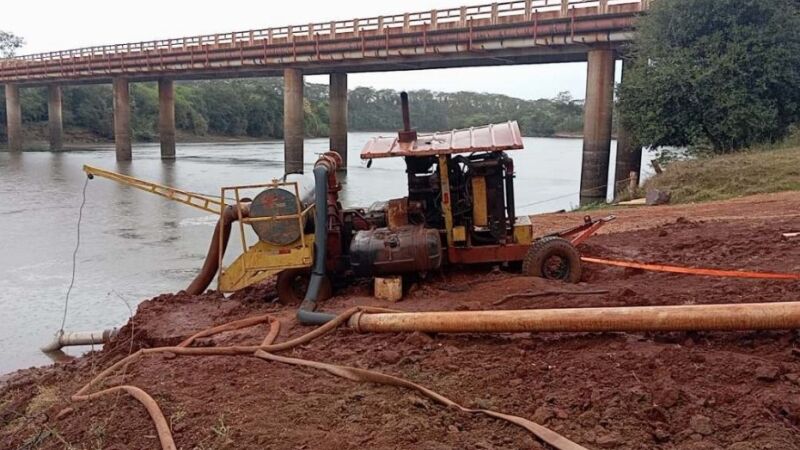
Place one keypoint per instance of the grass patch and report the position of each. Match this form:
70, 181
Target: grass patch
756, 171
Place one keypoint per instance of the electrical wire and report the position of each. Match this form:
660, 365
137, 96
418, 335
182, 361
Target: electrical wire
74, 256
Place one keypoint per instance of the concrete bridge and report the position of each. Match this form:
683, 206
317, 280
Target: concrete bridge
507, 33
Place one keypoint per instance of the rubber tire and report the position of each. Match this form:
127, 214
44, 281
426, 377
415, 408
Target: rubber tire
549, 246
288, 294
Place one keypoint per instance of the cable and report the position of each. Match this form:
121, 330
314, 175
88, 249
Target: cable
625, 180
74, 256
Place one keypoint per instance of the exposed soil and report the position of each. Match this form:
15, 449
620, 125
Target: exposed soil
736, 391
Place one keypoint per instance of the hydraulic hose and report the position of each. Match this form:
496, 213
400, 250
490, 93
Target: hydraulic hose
306, 314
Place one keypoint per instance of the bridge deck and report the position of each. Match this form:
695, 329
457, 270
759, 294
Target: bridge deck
514, 32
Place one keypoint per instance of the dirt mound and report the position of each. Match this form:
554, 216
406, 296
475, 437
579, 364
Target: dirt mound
733, 391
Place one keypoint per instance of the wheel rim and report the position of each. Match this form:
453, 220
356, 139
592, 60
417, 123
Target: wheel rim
555, 267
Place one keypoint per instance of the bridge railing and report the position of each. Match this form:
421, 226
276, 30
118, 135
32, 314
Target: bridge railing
499, 12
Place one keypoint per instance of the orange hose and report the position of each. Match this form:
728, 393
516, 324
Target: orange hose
262, 351
694, 270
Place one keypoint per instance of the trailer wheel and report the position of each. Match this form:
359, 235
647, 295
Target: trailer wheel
293, 283
553, 258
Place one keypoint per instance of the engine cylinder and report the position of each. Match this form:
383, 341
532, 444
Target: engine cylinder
282, 201
384, 251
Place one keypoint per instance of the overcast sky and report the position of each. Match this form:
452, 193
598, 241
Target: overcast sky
60, 24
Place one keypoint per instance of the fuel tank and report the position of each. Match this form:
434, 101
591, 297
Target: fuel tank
381, 251
282, 201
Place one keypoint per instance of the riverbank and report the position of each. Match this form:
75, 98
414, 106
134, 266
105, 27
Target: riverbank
732, 391
36, 137
722, 177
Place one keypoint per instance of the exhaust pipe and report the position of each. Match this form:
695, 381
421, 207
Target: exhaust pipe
327, 164
726, 317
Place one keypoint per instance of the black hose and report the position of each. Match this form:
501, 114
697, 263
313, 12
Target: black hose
306, 314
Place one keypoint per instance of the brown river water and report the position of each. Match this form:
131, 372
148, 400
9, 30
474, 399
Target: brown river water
136, 245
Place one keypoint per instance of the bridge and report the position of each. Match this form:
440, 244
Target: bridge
507, 33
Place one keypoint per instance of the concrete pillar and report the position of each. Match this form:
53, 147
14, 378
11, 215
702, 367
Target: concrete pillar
629, 152
597, 125
13, 118
55, 122
166, 117
338, 115
122, 119
293, 133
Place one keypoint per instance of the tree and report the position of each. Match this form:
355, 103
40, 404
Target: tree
718, 74
9, 43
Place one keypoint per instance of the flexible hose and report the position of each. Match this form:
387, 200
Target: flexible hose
264, 350
215, 251
306, 314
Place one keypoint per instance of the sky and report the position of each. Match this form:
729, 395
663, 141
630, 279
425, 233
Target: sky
60, 25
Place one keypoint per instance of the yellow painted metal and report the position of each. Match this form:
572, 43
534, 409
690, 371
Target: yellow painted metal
257, 262
523, 230
264, 260
459, 234
206, 203
447, 210
480, 211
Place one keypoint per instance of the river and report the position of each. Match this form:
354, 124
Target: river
135, 245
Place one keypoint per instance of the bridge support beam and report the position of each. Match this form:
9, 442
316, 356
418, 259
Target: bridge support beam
122, 119
166, 117
13, 118
629, 152
597, 126
338, 115
54, 118
293, 130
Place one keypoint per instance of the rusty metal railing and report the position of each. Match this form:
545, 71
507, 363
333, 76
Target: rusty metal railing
431, 20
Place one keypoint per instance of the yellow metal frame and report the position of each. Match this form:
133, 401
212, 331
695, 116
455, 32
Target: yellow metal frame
447, 209
199, 201
257, 262
262, 260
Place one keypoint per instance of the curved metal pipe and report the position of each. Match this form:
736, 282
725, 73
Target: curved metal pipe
306, 314
211, 264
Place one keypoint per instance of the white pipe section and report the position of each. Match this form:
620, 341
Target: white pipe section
71, 338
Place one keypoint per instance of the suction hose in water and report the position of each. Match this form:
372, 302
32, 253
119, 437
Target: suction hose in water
306, 315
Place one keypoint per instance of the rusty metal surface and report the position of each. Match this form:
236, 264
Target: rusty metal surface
458, 30
493, 137
406, 249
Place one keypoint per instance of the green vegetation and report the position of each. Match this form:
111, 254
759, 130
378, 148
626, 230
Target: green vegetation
714, 75
9, 43
254, 108
758, 170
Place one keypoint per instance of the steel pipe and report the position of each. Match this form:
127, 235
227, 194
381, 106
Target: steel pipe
727, 317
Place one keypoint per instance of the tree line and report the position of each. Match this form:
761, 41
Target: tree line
254, 108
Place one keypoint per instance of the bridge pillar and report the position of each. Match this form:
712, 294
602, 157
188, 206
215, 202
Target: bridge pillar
13, 118
293, 130
54, 118
166, 117
629, 152
338, 115
122, 119
597, 125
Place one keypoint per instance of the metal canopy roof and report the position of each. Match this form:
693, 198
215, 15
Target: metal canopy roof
487, 138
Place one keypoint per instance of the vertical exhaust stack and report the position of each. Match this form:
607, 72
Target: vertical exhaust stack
406, 135
325, 165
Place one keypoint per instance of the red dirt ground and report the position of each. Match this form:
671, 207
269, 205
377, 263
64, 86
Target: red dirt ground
734, 391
